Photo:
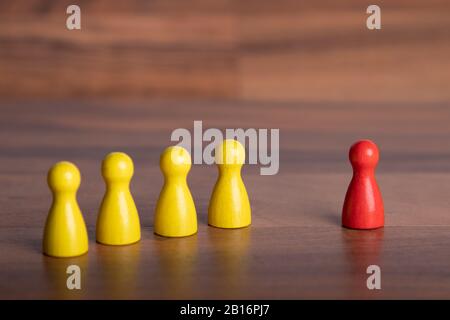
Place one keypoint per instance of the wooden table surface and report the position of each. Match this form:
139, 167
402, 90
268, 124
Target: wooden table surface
295, 247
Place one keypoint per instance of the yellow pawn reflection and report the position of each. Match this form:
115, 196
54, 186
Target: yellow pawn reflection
175, 214
65, 233
229, 206
118, 219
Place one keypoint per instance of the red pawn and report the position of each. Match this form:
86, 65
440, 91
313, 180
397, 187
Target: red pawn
363, 205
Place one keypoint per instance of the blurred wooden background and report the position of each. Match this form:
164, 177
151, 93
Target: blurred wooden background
286, 50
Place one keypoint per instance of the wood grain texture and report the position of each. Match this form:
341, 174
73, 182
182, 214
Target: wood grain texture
311, 69
138, 48
254, 263
247, 50
295, 247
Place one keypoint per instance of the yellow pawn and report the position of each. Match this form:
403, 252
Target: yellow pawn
65, 233
118, 219
229, 206
175, 214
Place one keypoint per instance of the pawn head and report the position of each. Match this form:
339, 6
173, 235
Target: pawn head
364, 154
230, 152
117, 166
175, 160
64, 176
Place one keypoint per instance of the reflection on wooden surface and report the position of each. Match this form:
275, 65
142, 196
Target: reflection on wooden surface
230, 260
177, 260
118, 270
363, 248
55, 270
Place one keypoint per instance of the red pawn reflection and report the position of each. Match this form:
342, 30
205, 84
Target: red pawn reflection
363, 205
